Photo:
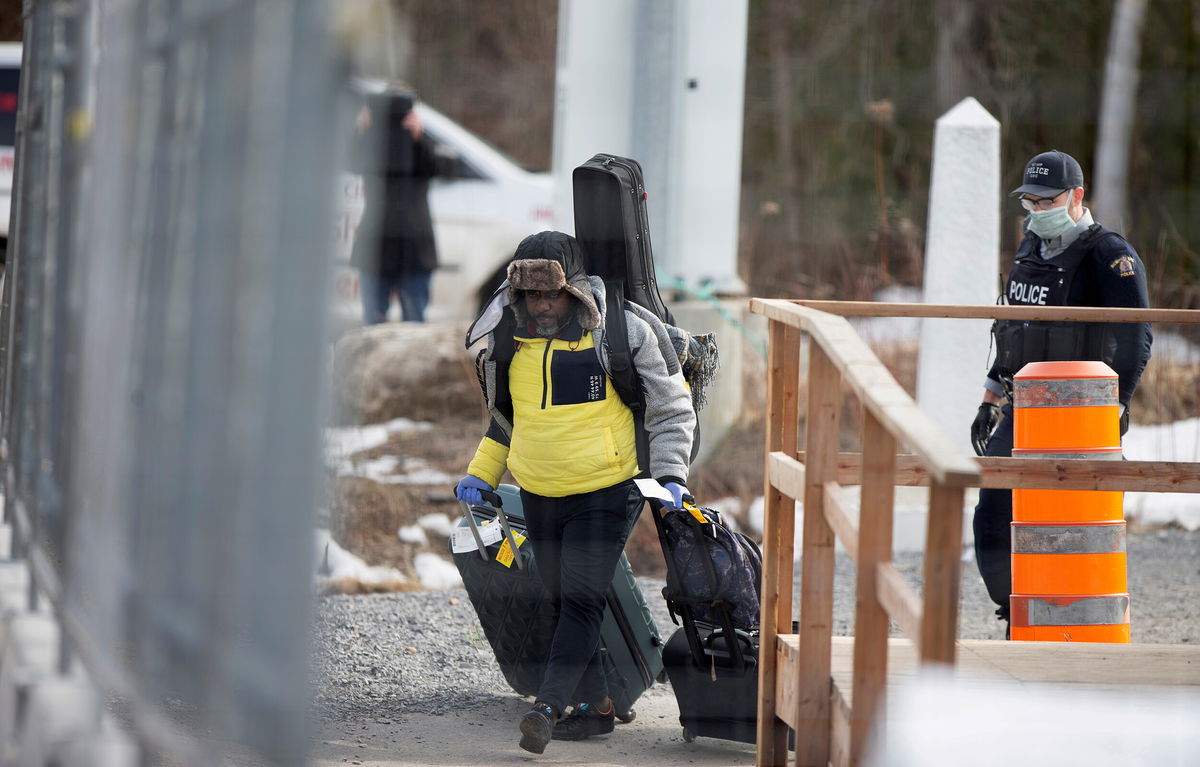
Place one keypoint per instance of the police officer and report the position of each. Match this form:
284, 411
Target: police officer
1065, 259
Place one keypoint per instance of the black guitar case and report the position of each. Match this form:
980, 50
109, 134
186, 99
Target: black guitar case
612, 225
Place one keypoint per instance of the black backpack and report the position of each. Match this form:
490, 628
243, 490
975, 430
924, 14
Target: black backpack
712, 566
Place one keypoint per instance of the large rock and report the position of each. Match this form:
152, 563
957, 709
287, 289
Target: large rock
405, 369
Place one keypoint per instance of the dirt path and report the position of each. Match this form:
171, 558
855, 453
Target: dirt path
488, 736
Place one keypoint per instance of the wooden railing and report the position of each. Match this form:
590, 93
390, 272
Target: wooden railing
832, 725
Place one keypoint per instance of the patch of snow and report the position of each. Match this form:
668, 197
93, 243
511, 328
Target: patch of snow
754, 521
397, 425
436, 572
344, 442
877, 330
379, 469
1172, 347
340, 564
438, 524
884, 329
1164, 508
729, 507
1179, 441
900, 294
413, 534
754, 516
391, 470
417, 472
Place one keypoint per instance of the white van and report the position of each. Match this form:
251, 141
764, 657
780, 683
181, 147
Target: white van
10, 78
482, 204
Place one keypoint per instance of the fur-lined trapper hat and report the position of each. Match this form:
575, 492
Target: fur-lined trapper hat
549, 261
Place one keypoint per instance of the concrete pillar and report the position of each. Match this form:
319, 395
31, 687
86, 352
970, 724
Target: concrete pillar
661, 82
725, 394
593, 91
693, 149
961, 265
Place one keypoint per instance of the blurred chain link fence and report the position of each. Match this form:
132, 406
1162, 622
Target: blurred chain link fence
163, 312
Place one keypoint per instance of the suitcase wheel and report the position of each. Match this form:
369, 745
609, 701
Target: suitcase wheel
625, 717
688, 735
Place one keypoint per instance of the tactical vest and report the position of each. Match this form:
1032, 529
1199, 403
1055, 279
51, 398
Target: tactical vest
1035, 281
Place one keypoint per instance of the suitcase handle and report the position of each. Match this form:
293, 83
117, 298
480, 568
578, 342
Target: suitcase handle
719, 633
496, 502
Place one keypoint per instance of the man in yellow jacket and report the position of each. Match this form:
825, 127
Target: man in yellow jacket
561, 429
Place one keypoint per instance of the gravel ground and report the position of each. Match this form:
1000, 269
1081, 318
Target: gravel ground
383, 656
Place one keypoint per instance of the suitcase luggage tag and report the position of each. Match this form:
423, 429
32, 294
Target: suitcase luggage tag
690, 508
507, 552
653, 491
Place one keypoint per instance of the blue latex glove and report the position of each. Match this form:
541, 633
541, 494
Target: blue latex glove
468, 489
678, 493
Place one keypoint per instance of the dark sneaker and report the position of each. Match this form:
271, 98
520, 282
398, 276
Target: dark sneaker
1002, 614
584, 722
536, 726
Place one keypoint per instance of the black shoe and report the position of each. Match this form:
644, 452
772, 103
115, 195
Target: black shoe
536, 727
584, 722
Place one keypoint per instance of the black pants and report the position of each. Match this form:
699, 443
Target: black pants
993, 521
577, 541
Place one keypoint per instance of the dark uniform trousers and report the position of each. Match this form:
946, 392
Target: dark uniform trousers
577, 541
993, 520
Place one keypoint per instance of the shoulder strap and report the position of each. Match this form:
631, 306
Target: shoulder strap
1097, 234
623, 375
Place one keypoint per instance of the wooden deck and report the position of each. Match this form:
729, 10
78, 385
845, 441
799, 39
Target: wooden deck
1065, 666
1095, 666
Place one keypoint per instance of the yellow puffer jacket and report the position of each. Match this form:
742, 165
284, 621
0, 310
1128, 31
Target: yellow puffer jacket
571, 431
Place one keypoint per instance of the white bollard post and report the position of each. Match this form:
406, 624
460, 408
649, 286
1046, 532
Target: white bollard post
961, 264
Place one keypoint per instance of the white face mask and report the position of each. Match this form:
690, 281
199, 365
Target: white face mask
1052, 223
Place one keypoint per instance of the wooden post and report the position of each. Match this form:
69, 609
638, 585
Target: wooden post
943, 563
816, 585
870, 617
779, 520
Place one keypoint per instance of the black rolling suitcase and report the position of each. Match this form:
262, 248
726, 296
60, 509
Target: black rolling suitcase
613, 226
517, 618
712, 659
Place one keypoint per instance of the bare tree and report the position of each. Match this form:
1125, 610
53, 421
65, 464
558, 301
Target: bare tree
1116, 111
11, 19
374, 37
779, 44
963, 53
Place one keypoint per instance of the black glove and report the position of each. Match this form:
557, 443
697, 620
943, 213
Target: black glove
981, 430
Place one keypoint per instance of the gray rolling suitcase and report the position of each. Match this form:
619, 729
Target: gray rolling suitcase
517, 618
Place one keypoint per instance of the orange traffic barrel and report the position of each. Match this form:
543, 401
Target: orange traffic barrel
1068, 546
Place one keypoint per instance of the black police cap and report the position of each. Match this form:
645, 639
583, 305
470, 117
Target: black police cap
1048, 174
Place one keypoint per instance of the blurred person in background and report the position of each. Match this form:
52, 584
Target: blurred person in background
394, 249
1065, 259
